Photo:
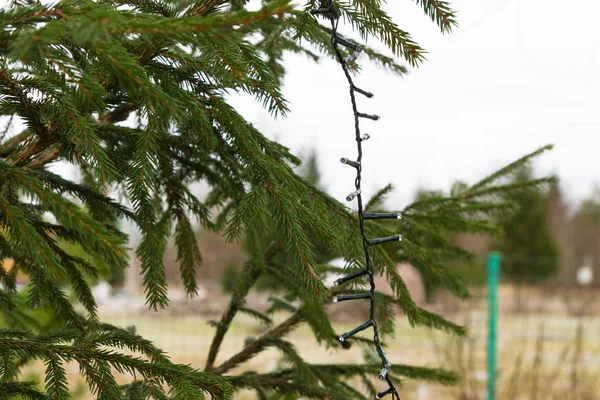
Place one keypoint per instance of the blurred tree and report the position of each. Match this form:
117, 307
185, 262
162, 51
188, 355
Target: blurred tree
585, 230
530, 252
561, 228
72, 72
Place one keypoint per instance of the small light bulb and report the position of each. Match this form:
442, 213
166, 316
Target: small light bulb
352, 195
341, 338
383, 374
335, 299
351, 58
366, 136
336, 283
351, 163
399, 216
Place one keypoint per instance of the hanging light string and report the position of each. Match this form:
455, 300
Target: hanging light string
329, 11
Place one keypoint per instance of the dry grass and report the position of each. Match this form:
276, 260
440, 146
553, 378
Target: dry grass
540, 356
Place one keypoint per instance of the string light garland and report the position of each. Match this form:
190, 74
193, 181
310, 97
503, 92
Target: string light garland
328, 10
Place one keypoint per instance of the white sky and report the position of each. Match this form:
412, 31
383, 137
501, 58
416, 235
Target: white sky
514, 76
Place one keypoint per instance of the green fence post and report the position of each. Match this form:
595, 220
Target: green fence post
493, 273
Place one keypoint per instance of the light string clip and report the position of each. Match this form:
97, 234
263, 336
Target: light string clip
329, 11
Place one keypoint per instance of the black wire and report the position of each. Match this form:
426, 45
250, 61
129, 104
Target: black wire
369, 263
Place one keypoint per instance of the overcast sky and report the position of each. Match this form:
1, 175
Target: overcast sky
514, 76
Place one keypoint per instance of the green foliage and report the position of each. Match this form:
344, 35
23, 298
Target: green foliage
72, 73
309, 170
529, 249
230, 277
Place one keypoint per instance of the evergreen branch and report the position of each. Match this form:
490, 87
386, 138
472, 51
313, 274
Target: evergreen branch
481, 209
505, 190
56, 378
150, 251
434, 375
146, 6
9, 125
440, 12
371, 20
272, 382
257, 315
258, 345
375, 203
43, 159
204, 7
307, 28
92, 234
506, 170
313, 311
246, 212
21, 234
303, 370
26, 390
216, 21
121, 338
80, 286
432, 320
28, 109
11, 144
188, 383
295, 239
452, 223
250, 274
132, 76
94, 200
34, 12
120, 113
416, 316
437, 273
429, 203
280, 304
27, 151
188, 253
41, 289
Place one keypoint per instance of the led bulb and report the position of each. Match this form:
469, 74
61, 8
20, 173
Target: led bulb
352, 195
363, 92
335, 299
351, 57
383, 374
351, 163
366, 136
369, 116
381, 395
341, 338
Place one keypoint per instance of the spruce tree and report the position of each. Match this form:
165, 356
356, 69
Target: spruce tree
72, 72
529, 247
